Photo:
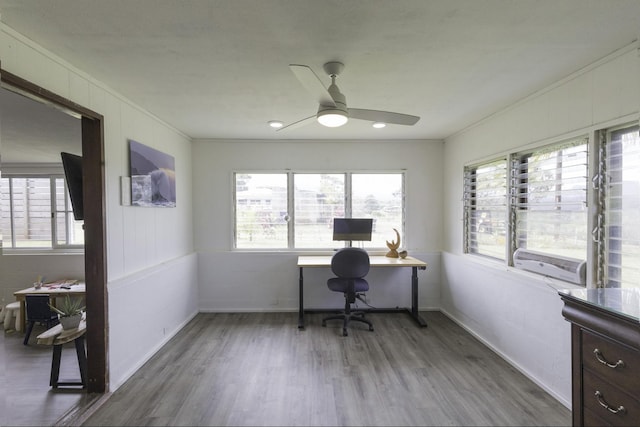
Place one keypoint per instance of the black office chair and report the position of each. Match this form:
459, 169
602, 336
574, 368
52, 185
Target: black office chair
350, 265
38, 311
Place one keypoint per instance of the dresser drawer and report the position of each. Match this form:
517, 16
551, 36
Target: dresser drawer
614, 362
609, 402
592, 420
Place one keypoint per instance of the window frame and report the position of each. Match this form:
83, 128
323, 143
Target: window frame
514, 163
55, 211
603, 181
348, 195
516, 185
470, 205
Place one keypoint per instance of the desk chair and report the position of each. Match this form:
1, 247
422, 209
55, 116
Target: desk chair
38, 311
350, 265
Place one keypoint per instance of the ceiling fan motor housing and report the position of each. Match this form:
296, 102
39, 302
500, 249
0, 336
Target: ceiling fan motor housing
339, 99
332, 110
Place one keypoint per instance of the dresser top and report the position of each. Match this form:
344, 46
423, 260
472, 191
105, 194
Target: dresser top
623, 301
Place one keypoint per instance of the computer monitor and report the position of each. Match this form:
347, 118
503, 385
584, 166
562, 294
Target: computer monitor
352, 229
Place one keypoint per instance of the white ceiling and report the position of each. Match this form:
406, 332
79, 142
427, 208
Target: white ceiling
219, 69
32, 132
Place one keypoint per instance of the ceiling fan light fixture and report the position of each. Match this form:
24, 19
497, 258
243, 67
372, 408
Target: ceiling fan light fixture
332, 118
276, 124
379, 125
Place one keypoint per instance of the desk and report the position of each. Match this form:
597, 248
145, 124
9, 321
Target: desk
54, 292
57, 336
376, 261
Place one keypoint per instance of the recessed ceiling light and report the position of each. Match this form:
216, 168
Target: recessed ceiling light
275, 124
379, 125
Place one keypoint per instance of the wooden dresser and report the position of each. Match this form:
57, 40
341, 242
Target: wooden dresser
605, 359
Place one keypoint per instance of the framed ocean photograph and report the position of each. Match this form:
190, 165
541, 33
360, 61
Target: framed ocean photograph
153, 176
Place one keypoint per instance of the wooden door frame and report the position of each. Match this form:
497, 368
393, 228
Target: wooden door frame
95, 260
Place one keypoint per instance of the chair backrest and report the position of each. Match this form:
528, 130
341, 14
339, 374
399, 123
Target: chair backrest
38, 307
351, 263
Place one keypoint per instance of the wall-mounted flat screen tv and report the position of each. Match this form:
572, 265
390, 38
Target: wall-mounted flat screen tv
352, 229
72, 165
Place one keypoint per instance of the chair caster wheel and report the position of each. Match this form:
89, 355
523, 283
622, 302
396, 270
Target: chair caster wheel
324, 324
371, 328
344, 333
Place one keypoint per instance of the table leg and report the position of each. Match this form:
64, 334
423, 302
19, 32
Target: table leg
55, 365
22, 316
54, 380
414, 297
301, 302
82, 360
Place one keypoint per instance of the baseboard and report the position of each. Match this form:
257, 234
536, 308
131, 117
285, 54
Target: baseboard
503, 356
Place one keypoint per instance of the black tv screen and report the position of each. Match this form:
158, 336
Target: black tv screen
352, 229
72, 165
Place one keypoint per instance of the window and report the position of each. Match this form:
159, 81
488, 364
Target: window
619, 251
36, 213
264, 220
318, 198
549, 200
261, 208
534, 203
485, 208
381, 197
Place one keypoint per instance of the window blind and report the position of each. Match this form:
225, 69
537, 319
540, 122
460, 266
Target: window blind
485, 208
549, 199
622, 208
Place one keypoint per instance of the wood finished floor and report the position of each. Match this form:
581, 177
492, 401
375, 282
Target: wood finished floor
259, 369
26, 399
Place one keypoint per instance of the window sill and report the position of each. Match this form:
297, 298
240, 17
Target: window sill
40, 252
496, 264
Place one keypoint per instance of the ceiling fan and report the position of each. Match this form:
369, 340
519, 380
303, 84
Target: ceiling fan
333, 110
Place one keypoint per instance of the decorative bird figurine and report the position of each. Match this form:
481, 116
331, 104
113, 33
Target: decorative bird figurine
393, 246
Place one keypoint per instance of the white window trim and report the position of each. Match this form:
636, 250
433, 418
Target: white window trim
40, 170
290, 194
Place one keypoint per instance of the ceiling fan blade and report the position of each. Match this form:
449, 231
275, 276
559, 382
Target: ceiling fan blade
313, 84
297, 124
383, 116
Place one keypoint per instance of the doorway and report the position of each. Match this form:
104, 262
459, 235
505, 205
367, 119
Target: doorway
92, 135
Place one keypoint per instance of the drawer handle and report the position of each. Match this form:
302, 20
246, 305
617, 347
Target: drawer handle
620, 409
601, 359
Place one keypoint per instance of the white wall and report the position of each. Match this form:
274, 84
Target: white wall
151, 266
515, 313
240, 281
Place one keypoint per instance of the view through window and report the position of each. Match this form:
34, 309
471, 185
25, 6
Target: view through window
36, 214
296, 209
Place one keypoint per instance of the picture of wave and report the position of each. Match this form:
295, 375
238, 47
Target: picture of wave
153, 177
